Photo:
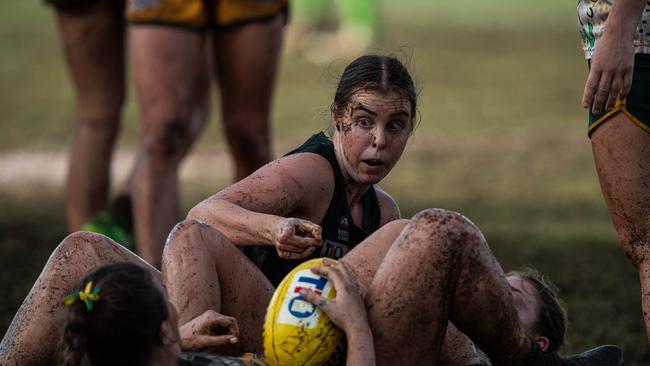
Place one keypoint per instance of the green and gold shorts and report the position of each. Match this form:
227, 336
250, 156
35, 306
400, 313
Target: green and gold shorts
637, 104
199, 14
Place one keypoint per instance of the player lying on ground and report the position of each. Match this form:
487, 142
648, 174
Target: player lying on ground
124, 306
413, 276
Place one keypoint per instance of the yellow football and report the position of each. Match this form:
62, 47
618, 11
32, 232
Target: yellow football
297, 333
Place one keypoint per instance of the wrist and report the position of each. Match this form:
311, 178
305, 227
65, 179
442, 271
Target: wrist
358, 330
270, 233
361, 349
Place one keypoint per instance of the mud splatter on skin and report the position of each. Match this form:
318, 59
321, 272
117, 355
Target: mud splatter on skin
356, 141
33, 336
451, 275
205, 267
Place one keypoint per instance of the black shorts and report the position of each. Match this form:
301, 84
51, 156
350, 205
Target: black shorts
637, 104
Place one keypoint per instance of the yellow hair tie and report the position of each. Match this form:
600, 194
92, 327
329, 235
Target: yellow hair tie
88, 296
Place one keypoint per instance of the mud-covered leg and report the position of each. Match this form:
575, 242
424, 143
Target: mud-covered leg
34, 333
366, 258
440, 268
622, 154
202, 270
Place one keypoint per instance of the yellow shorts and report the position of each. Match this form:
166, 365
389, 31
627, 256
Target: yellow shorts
202, 13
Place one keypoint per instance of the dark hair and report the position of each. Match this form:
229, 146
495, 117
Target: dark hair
551, 319
124, 325
375, 72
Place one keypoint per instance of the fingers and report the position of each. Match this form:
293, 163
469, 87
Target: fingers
284, 247
627, 85
201, 342
308, 228
351, 277
230, 323
207, 330
602, 89
297, 239
602, 93
614, 93
590, 88
298, 232
295, 254
314, 298
334, 272
212, 319
298, 243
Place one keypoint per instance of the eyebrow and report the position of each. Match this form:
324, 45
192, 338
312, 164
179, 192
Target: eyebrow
369, 111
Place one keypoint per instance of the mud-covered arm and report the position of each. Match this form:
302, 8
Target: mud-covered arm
275, 206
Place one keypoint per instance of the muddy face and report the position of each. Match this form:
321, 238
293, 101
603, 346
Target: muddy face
526, 301
371, 135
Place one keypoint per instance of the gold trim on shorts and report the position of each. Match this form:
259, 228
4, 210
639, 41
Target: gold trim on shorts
621, 106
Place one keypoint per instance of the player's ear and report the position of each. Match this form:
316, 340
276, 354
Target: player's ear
543, 342
167, 335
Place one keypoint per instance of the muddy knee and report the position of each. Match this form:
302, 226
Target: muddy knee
192, 238
447, 230
83, 242
435, 220
83, 251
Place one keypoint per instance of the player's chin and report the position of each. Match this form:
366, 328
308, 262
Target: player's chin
370, 179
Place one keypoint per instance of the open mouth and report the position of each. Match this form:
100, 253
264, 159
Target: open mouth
373, 162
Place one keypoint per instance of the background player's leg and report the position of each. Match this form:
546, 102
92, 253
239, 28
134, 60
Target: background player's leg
247, 58
172, 84
93, 41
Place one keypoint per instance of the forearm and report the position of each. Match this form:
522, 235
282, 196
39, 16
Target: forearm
241, 226
624, 18
361, 349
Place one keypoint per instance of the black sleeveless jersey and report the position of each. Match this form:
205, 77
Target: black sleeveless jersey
340, 234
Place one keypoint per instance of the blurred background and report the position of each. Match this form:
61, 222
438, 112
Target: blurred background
502, 139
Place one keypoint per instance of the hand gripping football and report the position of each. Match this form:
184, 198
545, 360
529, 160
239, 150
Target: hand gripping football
297, 333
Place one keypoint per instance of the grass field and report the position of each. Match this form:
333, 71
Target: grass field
502, 139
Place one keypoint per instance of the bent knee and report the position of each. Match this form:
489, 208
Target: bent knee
182, 231
444, 219
447, 229
86, 246
192, 237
